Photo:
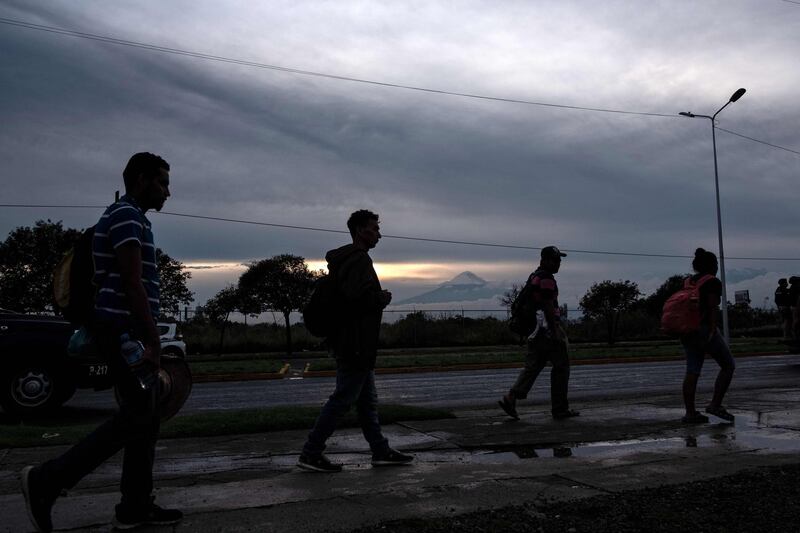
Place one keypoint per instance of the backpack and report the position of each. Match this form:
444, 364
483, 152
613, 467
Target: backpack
523, 311
73, 281
319, 314
681, 312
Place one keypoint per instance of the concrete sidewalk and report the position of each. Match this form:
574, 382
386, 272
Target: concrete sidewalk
480, 460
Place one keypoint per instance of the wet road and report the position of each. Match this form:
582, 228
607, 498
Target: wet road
464, 389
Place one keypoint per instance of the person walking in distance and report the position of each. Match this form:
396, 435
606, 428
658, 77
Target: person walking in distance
794, 302
783, 301
354, 344
548, 342
125, 310
706, 340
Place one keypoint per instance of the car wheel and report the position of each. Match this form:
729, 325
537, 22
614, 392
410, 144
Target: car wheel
174, 352
34, 388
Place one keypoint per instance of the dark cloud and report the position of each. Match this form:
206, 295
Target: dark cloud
275, 147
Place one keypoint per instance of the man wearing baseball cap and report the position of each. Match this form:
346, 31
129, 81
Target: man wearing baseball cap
547, 342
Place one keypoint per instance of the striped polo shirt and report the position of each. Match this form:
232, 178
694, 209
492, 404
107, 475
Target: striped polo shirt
123, 222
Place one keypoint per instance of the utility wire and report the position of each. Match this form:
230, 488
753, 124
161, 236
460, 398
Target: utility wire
401, 237
234, 61
210, 57
758, 141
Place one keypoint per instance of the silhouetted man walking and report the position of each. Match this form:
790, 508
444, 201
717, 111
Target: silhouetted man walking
548, 342
355, 346
126, 308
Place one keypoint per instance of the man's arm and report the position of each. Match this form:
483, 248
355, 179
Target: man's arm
552, 320
129, 258
359, 287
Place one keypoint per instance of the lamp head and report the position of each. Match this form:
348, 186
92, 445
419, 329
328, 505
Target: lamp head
687, 114
738, 94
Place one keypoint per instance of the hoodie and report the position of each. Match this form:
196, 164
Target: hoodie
355, 343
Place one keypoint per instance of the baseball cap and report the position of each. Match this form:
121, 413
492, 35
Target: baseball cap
551, 252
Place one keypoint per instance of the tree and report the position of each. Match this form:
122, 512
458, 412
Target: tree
219, 308
508, 297
654, 304
606, 300
173, 289
27, 259
282, 283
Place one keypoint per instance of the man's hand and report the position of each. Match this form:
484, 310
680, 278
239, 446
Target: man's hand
386, 297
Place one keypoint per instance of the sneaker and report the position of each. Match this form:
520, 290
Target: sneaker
391, 458
509, 408
151, 515
318, 463
569, 413
695, 418
720, 412
38, 501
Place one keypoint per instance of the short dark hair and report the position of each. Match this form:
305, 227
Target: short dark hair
782, 281
704, 262
359, 219
142, 163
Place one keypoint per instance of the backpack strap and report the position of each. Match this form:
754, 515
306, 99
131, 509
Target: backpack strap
705, 278
688, 283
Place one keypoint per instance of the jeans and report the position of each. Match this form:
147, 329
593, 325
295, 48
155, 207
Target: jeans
542, 349
353, 386
133, 428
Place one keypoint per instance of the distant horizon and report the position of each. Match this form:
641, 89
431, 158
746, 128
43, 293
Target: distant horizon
521, 124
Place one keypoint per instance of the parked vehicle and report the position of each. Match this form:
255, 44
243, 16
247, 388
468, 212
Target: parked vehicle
37, 374
171, 341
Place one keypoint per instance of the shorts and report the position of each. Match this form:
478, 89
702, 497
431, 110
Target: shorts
697, 345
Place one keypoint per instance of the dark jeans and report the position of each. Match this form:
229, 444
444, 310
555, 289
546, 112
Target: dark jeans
353, 386
542, 349
133, 428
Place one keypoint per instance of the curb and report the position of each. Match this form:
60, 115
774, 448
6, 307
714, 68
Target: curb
520, 364
253, 376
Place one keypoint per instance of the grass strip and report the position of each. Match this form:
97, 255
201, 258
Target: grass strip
236, 422
233, 367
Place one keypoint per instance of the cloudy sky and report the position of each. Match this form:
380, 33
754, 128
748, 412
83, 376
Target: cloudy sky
279, 147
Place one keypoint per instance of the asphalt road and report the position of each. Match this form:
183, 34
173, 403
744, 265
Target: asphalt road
465, 389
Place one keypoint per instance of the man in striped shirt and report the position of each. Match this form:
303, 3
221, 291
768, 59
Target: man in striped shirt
127, 304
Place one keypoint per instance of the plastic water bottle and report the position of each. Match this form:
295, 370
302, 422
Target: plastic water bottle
133, 352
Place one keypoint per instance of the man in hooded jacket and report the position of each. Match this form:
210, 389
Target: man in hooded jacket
354, 345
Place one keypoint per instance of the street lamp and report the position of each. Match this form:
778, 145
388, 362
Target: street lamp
724, 304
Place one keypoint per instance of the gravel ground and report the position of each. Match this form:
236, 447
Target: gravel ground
762, 500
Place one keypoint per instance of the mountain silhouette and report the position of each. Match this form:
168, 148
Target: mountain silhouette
463, 288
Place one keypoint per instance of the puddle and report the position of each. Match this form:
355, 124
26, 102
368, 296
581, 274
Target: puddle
748, 434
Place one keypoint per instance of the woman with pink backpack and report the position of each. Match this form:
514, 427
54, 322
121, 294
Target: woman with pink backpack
707, 339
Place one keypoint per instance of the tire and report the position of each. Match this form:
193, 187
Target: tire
174, 352
34, 388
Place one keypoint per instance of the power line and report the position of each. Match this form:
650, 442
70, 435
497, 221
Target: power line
758, 141
401, 237
242, 62
222, 59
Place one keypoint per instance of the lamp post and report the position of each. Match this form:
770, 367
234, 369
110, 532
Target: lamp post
724, 304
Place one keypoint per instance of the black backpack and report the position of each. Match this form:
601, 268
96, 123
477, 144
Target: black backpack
523, 311
319, 314
74, 291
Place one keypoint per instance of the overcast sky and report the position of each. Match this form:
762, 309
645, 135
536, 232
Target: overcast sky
278, 147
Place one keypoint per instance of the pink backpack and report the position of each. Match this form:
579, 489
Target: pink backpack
681, 313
